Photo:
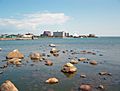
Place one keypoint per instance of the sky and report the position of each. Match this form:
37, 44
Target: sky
100, 17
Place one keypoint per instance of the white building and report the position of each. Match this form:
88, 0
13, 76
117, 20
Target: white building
59, 34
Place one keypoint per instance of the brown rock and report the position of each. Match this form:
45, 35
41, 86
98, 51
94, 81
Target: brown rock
48, 62
15, 61
74, 61
15, 54
85, 87
52, 80
69, 68
82, 59
53, 50
93, 62
8, 86
36, 56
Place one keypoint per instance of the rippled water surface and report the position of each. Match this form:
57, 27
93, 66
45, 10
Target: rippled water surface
32, 78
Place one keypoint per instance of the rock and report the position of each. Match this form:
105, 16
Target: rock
101, 87
52, 80
100, 54
63, 51
68, 65
82, 59
8, 86
69, 68
85, 87
83, 52
53, 50
15, 54
55, 54
0, 49
52, 45
105, 73
93, 62
48, 62
15, 61
36, 56
83, 76
74, 61
1, 72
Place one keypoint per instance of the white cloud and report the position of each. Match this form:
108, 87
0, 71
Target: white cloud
32, 21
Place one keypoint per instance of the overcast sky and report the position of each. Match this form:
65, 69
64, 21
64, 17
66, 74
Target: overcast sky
100, 17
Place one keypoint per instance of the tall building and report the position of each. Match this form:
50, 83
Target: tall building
59, 34
46, 33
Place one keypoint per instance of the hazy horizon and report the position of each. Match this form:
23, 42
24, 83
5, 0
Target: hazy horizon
99, 17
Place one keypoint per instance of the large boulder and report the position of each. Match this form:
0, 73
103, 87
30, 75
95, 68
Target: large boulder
69, 68
8, 86
15, 54
36, 56
52, 80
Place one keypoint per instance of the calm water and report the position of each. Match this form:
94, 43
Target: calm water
32, 78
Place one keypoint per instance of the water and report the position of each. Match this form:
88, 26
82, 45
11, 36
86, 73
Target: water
32, 78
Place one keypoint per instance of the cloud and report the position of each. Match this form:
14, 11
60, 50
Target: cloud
32, 21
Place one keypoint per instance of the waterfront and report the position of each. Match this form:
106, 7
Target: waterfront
32, 78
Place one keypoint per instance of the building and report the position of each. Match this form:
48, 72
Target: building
46, 34
59, 34
28, 35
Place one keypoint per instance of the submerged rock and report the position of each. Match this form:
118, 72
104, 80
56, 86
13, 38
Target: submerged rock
8, 86
36, 56
15, 54
69, 68
85, 87
48, 62
52, 80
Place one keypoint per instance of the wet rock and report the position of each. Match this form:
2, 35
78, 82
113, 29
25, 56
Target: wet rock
8, 86
48, 55
83, 76
15, 61
100, 87
0, 49
1, 72
83, 52
15, 54
105, 73
85, 87
52, 45
69, 68
48, 62
56, 54
53, 50
52, 80
93, 62
36, 56
100, 54
74, 61
63, 51
82, 59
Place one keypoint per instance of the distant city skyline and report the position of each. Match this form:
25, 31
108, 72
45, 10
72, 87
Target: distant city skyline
99, 17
